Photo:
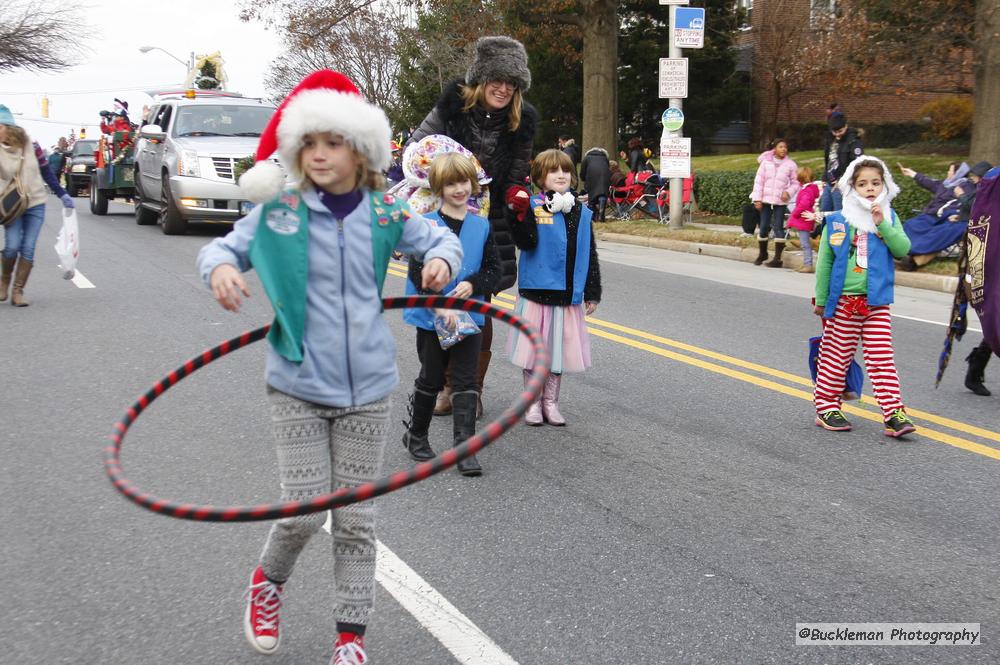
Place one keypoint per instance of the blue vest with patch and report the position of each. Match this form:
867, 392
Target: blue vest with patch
544, 267
473, 234
881, 269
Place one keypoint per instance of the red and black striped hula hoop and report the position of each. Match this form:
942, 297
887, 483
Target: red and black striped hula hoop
269, 511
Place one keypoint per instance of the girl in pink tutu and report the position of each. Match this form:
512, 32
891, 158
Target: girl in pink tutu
559, 279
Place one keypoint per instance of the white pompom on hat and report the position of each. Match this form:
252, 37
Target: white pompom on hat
324, 101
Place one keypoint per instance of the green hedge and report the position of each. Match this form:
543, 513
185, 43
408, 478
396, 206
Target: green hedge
726, 192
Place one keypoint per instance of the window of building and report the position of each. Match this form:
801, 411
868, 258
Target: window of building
746, 8
821, 11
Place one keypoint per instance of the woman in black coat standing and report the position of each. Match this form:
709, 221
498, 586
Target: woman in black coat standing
487, 114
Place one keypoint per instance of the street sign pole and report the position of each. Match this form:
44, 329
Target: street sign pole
676, 184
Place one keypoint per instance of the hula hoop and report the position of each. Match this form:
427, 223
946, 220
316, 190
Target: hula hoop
342, 497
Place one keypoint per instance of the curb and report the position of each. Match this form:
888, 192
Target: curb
792, 259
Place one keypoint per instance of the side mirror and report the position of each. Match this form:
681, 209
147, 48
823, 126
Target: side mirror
152, 132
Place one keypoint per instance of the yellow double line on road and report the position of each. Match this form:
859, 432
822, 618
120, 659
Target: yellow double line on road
601, 328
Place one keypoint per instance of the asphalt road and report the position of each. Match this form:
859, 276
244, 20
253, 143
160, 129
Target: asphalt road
690, 513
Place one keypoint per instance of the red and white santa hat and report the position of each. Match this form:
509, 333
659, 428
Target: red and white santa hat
325, 101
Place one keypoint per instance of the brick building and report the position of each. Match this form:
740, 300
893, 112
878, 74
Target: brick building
762, 48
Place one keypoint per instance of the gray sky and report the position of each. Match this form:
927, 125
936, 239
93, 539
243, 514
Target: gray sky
117, 30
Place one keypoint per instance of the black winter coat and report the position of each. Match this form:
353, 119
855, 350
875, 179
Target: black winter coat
595, 173
850, 148
505, 156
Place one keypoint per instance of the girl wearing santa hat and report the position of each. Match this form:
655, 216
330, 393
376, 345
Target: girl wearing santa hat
321, 247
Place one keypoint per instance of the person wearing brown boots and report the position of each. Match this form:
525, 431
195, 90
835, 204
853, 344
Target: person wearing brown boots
21, 158
560, 280
453, 179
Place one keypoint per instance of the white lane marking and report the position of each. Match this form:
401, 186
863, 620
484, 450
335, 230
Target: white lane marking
937, 323
82, 282
466, 642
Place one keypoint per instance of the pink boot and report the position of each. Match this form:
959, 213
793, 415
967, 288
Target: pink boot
533, 416
550, 401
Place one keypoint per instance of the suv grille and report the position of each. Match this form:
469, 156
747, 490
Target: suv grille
224, 167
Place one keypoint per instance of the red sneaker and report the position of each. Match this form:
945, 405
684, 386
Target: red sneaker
260, 621
349, 650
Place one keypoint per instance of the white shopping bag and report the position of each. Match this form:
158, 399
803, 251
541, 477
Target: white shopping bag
68, 243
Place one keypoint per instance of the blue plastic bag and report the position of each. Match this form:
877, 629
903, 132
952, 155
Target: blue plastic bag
855, 375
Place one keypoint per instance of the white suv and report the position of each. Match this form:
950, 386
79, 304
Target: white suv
185, 158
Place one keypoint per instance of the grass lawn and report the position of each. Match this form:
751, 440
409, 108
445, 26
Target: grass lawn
935, 165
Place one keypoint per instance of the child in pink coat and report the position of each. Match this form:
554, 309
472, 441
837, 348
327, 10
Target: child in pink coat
805, 201
773, 188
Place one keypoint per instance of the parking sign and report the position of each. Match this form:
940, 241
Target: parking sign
673, 78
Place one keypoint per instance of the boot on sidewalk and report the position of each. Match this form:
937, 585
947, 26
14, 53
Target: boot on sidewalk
20, 279
415, 438
533, 416
779, 247
762, 256
550, 401
976, 375
484, 364
442, 404
464, 414
6, 275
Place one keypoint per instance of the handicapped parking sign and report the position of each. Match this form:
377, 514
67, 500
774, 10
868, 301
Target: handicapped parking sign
689, 28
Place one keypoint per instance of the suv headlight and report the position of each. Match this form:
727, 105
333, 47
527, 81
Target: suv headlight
187, 163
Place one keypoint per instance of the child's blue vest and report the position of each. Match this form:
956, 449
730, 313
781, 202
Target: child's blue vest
544, 267
881, 269
473, 234
280, 255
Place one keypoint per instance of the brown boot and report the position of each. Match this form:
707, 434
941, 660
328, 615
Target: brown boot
484, 364
442, 407
20, 279
762, 252
8, 271
779, 247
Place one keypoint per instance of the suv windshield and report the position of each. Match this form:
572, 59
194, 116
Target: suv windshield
84, 147
221, 120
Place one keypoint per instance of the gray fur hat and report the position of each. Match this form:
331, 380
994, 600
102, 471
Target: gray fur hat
500, 59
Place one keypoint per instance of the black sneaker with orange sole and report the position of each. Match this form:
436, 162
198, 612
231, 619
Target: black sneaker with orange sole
833, 421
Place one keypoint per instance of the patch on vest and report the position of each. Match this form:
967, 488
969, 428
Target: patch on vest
543, 216
283, 221
837, 239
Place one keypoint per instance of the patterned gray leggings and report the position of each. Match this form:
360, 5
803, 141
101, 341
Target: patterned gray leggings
320, 449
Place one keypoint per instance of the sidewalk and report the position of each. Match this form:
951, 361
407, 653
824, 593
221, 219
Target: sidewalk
792, 258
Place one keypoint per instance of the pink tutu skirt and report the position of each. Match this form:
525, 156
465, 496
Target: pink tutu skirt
564, 331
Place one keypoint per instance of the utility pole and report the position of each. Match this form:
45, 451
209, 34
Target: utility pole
676, 184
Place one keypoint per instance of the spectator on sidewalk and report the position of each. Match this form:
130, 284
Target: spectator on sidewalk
805, 202
595, 172
568, 145
774, 187
843, 145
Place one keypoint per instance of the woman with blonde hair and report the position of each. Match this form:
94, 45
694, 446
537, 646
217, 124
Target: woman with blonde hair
22, 158
486, 112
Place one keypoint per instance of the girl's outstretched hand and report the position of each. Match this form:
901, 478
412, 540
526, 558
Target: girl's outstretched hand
435, 275
590, 308
818, 311
227, 285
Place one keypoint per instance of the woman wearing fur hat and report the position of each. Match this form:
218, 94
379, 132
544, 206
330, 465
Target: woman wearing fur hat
20, 157
487, 114
321, 250
854, 288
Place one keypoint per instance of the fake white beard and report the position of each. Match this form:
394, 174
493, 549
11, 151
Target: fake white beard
858, 211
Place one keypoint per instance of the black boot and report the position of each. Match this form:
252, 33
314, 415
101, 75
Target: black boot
602, 205
779, 247
464, 412
762, 256
421, 411
977, 370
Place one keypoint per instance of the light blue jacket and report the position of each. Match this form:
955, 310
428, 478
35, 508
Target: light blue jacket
349, 354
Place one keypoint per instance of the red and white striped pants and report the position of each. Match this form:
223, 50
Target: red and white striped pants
855, 320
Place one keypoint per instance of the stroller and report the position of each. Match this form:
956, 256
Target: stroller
643, 193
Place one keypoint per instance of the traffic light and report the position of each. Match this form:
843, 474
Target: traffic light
45, 107
83, 133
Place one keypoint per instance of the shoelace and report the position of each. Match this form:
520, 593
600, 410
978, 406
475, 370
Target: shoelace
268, 601
349, 654
899, 416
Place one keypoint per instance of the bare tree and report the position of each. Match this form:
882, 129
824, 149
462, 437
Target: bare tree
38, 37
